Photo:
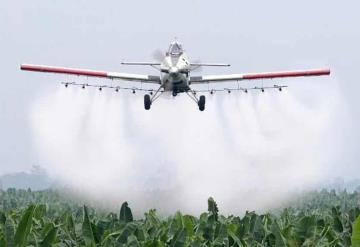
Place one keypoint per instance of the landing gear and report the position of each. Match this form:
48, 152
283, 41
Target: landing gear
147, 102
201, 103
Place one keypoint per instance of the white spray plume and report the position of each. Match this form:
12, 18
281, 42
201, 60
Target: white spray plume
248, 151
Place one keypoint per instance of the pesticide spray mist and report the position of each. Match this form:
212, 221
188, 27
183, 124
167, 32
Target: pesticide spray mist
249, 151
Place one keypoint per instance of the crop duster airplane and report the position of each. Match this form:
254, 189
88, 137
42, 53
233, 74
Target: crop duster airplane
175, 69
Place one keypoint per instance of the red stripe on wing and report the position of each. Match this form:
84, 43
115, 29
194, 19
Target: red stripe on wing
71, 71
268, 75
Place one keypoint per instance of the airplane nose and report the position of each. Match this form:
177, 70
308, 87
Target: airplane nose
174, 70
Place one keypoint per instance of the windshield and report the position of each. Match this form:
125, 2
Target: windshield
175, 49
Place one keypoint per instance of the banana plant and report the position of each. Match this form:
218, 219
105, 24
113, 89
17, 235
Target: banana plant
49, 218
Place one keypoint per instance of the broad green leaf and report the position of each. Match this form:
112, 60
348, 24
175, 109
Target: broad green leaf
213, 209
189, 224
109, 235
338, 226
132, 241
24, 227
355, 238
128, 230
46, 228
39, 212
9, 231
153, 243
141, 234
305, 229
250, 220
279, 238
70, 225
50, 238
176, 223
179, 239
152, 219
87, 230
328, 233
232, 231
2, 218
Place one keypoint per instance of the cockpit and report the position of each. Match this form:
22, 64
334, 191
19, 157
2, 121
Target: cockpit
175, 49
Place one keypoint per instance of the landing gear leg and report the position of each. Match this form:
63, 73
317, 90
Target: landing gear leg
200, 102
149, 100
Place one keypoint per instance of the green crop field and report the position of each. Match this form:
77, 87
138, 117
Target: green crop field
45, 218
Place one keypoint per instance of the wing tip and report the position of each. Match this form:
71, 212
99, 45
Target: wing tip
324, 71
25, 66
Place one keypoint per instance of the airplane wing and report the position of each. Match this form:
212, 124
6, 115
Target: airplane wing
92, 73
256, 76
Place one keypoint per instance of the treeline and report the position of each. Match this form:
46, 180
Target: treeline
47, 218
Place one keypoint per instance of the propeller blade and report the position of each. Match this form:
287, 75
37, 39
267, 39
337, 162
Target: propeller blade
158, 55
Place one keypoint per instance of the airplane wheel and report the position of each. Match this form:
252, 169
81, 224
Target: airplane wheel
201, 103
147, 101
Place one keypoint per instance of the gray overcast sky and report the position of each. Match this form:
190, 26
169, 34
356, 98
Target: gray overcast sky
251, 35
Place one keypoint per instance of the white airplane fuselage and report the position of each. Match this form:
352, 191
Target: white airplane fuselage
176, 77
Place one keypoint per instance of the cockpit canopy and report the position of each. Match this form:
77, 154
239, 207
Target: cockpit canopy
175, 49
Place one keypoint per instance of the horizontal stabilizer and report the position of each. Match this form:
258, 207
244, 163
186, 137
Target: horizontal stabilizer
210, 64
141, 63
